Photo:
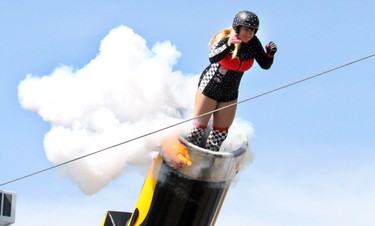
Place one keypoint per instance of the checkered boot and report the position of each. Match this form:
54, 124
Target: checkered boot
195, 135
215, 139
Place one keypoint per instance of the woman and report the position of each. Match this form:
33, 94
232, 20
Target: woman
232, 52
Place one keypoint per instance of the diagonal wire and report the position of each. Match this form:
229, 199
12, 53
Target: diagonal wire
187, 120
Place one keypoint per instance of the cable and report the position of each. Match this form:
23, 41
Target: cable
190, 119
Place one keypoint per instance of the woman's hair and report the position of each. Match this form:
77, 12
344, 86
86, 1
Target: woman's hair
225, 33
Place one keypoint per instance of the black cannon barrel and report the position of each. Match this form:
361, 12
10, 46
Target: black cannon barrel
189, 195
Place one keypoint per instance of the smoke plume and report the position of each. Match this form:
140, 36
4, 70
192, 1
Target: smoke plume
126, 91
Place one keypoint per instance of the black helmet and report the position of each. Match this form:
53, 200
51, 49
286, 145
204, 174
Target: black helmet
247, 19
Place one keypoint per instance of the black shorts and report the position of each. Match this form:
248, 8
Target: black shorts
219, 83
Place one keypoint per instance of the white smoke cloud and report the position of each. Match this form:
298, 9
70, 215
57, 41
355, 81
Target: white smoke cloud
126, 91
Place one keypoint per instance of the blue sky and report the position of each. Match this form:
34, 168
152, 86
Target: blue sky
313, 143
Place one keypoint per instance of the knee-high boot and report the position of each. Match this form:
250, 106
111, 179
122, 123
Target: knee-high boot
216, 138
196, 134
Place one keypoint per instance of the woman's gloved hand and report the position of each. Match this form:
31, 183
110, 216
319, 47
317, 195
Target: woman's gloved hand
233, 39
271, 48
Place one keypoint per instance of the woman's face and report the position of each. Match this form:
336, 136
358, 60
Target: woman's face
246, 33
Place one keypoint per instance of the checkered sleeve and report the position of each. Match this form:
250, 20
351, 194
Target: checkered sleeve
219, 50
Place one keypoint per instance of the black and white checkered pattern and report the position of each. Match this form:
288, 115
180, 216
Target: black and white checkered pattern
217, 49
208, 76
215, 139
195, 135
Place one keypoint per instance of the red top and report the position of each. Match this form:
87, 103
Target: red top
235, 64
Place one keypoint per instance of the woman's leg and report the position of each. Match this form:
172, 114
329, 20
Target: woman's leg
223, 119
202, 105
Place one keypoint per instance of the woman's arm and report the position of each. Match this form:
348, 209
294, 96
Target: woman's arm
264, 59
219, 50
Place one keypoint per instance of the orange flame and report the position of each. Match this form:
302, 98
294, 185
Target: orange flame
176, 153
